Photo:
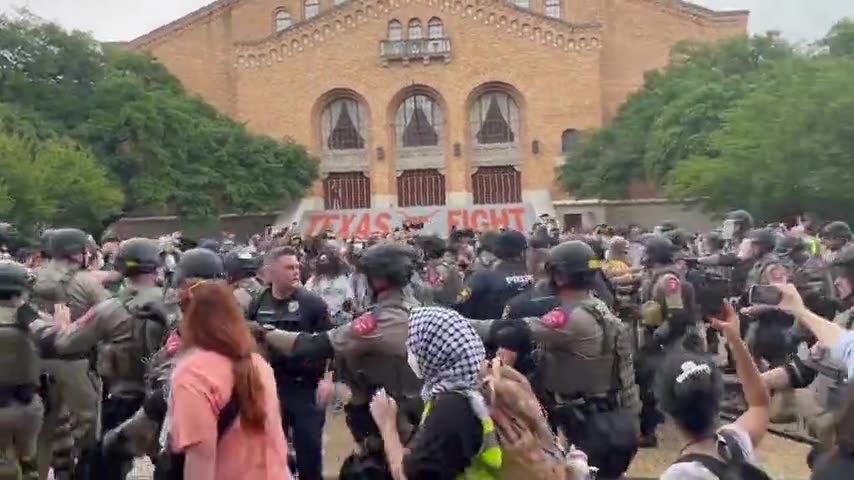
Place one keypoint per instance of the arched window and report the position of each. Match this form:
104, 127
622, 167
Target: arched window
418, 122
312, 9
568, 140
283, 20
526, 4
395, 30
343, 125
553, 8
495, 119
435, 28
414, 32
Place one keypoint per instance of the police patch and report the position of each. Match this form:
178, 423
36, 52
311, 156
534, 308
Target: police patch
364, 325
555, 319
777, 274
464, 295
293, 306
671, 285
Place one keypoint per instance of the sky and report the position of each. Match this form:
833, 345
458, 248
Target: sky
113, 20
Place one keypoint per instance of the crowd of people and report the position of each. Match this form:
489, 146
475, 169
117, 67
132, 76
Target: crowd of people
497, 354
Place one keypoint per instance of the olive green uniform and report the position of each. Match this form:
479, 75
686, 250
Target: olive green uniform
21, 406
76, 390
443, 282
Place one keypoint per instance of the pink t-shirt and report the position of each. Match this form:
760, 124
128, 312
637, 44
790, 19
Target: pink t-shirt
201, 387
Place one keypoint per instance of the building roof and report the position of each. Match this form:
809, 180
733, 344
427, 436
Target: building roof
219, 6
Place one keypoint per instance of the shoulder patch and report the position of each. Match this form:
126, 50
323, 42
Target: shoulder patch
87, 317
464, 295
364, 325
777, 274
671, 284
555, 319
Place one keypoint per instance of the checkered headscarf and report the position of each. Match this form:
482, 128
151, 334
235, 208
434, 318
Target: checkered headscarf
448, 350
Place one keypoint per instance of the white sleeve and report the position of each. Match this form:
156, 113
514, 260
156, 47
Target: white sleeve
743, 439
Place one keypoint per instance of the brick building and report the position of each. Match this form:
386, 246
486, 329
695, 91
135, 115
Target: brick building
428, 102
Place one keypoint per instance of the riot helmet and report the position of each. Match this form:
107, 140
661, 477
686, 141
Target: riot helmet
790, 245
14, 279
198, 263
741, 220
835, 235
138, 256
432, 246
679, 238
44, 243
487, 240
67, 242
658, 250
510, 245
241, 263
572, 265
667, 226
389, 262
763, 241
210, 244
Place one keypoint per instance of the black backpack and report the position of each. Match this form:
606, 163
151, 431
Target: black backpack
737, 468
170, 466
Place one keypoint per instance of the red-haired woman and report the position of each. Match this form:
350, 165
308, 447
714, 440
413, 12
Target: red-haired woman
220, 363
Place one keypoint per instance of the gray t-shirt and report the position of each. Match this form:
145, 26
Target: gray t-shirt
696, 471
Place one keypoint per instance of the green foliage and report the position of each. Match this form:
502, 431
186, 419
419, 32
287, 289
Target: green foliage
749, 123
51, 182
840, 39
166, 150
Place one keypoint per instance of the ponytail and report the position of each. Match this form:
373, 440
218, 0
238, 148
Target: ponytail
250, 394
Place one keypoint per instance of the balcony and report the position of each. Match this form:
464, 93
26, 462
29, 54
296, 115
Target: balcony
425, 49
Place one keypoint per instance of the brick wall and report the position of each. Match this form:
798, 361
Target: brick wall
564, 75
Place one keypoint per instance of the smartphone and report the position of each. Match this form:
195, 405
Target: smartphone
765, 295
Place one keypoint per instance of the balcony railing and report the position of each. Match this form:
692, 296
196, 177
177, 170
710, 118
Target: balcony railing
423, 49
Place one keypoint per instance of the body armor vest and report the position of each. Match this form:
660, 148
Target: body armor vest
123, 359
51, 288
557, 366
20, 363
653, 312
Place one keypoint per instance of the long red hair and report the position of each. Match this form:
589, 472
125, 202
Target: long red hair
214, 321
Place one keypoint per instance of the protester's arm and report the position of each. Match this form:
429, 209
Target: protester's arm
825, 331
754, 420
200, 461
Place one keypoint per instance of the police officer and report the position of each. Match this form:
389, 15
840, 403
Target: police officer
669, 319
826, 378
140, 434
669, 309
126, 330
22, 330
810, 275
241, 266
371, 350
286, 306
442, 280
597, 411
485, 250
768, 328
488, 291
835, 236
66, 280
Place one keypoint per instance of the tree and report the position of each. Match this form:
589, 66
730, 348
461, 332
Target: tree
786, 148
840, 39
671, 117
167, 150
53, 182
